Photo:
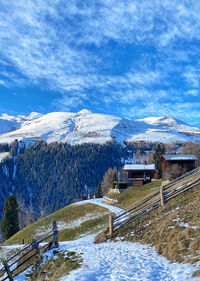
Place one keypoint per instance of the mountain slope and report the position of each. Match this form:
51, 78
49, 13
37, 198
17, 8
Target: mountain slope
173, 229
122, 260
47, 177
10, 123
88, 127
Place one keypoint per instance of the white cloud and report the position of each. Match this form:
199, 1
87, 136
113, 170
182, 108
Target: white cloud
62, 46
192, 92
192, 76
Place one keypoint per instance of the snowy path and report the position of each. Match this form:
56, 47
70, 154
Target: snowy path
120, 261
98, 201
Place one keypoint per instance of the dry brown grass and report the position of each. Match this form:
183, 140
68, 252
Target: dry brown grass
101, 237
162, 228
55, 268
196, 274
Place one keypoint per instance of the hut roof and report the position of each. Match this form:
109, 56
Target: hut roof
130, 167
177, 157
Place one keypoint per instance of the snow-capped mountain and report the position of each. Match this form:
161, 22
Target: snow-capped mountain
85, 127
10, 123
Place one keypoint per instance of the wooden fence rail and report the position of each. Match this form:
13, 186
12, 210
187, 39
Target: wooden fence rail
153, 201
12, 265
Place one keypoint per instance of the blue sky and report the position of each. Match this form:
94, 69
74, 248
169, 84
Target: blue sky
127, 58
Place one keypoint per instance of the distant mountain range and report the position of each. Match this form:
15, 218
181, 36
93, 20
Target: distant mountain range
87, 127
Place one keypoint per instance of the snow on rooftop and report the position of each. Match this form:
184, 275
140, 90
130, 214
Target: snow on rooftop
172, 157
129, 167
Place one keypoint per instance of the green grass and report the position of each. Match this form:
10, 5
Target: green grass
132, 195
87, 227
96, 221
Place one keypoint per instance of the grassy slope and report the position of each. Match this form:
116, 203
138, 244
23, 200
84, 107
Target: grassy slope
70, 215
132, 195
162, 228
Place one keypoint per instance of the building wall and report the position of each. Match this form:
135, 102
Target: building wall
137, 178
139, 174
137, 182
184, 165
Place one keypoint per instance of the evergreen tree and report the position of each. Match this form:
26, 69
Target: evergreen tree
10, 218
98, 191
51, 176
160, 149
114, 180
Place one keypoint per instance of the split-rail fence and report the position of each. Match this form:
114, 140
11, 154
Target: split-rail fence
156, 199
25, 257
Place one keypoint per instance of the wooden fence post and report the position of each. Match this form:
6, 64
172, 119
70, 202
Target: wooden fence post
55, 235
162, 201
35, 245
8, 270
111, 220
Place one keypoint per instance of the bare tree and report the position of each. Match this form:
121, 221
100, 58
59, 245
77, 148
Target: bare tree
192, 148
27, 215
107, 180
174, 172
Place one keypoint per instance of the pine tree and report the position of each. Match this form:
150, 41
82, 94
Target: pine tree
10, 218
114, 179
159, 151
99, 191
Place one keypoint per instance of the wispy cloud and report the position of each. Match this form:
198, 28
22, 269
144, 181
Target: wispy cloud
133, 54
192, 76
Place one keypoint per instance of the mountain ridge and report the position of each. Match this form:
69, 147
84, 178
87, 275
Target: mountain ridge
87, 127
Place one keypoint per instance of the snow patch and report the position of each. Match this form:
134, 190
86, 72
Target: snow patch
98, 201
183, 224
3, 155
68, 225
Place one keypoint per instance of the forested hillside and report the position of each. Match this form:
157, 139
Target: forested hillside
46, 178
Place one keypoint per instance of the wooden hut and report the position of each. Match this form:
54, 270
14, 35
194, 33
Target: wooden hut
139, 174
178, 164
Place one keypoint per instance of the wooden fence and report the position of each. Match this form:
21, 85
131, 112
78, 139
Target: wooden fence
22, 259
156, 199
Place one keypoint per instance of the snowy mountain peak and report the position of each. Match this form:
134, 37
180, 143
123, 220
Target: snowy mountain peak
168, 121
85, 111
33, 115
88, 127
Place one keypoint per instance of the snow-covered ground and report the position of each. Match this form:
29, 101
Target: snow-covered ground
3, 155
120, 261
98, 201
85, 126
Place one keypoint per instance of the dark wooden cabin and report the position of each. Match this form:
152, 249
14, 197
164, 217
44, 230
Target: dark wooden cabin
139, 174
181, 163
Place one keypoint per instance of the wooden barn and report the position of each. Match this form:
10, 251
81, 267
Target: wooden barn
139, 174
175, 165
